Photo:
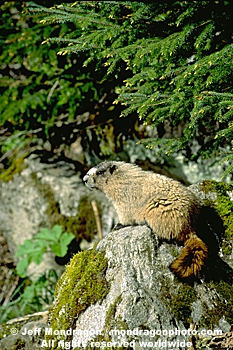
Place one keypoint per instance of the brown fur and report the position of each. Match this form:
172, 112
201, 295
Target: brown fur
191, 259
170, 209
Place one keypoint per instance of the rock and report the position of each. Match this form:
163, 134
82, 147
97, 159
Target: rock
45, 194
24, 333
142, 300
121, 291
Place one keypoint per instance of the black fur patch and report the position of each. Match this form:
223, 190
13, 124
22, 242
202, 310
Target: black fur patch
112, 169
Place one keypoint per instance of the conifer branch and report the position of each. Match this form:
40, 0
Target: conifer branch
175, 59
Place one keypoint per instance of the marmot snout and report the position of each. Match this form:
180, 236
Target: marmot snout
167, 207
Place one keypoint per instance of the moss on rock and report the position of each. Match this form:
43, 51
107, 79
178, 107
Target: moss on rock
224, 207
179, 300
82, 284
223, 305
17, 165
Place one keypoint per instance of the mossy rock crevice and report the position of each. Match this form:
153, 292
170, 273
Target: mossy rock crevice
223, 205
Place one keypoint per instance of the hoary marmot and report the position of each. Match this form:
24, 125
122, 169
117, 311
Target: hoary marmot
167, 207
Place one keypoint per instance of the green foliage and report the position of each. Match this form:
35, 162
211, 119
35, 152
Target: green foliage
37, 98
179, 55
40, 91
48, 101
180, 301
32, 250
30, 297
169, 62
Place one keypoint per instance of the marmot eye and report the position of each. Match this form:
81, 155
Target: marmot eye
100, 172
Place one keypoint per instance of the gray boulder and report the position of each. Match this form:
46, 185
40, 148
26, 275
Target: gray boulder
143, 304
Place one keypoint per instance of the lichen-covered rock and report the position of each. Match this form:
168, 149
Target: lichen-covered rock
141, 300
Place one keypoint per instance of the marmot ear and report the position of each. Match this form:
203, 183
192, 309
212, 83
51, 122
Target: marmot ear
112, 169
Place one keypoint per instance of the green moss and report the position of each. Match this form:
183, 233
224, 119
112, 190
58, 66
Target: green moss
16, 167
224, 207
5, 328
82, 284
179, 301
223, 306
174, 251
202, 343
111, 312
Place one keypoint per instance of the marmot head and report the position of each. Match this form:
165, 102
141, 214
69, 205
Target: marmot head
99, 175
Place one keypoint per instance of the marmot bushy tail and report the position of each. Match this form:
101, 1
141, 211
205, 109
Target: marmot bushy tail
191, 259
170, 209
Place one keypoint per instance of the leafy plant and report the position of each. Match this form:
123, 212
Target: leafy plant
166, 63
30, 296
32, 250
179, 58
48, 101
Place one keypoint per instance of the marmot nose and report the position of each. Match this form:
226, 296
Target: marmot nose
85, 178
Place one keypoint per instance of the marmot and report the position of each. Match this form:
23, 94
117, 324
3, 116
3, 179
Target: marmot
170, 209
